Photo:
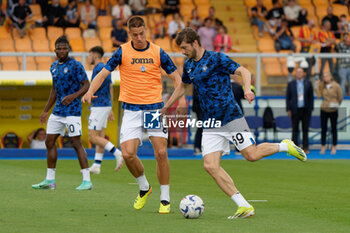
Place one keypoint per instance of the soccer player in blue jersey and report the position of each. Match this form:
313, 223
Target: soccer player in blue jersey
209, 72
69, 82
101, 111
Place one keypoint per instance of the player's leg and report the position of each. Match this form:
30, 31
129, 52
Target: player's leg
55, 127
256, 152
222, 179
73, 125
214, 145
97, 125
244, 141
97, 137
83, 161
130, 139
96, 166
135, 166
163, 171
51, 150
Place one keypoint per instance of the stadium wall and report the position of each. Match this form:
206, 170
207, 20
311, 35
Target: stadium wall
23, 95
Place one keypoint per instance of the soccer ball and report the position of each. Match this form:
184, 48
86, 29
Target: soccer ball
191, 206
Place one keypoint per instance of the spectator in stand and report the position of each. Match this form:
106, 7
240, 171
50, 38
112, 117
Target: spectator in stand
119, 35
195, 21
308, 38
175, 26
54, 14
295, 14
344, 63
138, 7
207, 35
3, 13
88, 16
171, 7
160, 27
37, 138
259, 13
327, 40
121, 11
72, 16
20, 15
300, 104
335, 22
343, 2
332, 96
215, 20
274, 16
103, 6
222, 41
344, 24
284, 38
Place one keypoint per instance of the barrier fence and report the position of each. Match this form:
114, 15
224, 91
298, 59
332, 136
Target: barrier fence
258, 56
260, 103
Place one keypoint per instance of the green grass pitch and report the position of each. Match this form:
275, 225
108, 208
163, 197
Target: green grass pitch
301, 197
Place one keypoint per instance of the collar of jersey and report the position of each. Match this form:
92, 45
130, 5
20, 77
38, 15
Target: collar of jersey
60, 63
140, 50
205, 51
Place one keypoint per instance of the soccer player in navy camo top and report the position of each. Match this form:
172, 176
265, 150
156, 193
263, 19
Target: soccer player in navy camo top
209, 72
69, 82
101, 110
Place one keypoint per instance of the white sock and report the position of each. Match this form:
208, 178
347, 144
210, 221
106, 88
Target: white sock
143, 183
164, 193
240, 200
50, 175
117, 153
99, 156
283, 147
86, 174
109, 146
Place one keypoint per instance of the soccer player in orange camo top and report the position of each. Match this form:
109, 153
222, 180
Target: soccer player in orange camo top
140, 90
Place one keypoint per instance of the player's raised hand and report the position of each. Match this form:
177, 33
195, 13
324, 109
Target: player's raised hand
111, 116
249, 95
88, 97
67, 100
43, 118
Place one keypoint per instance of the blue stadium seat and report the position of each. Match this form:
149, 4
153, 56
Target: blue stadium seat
254, 122
283, 123
315, 123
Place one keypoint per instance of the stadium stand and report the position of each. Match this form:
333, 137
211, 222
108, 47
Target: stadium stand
104, 21
234, 14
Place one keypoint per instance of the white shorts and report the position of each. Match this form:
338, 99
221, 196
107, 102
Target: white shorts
58, 125
218, 139
132, 127
98, 117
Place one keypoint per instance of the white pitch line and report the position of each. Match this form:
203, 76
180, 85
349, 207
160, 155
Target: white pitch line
132, 183
257, 200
